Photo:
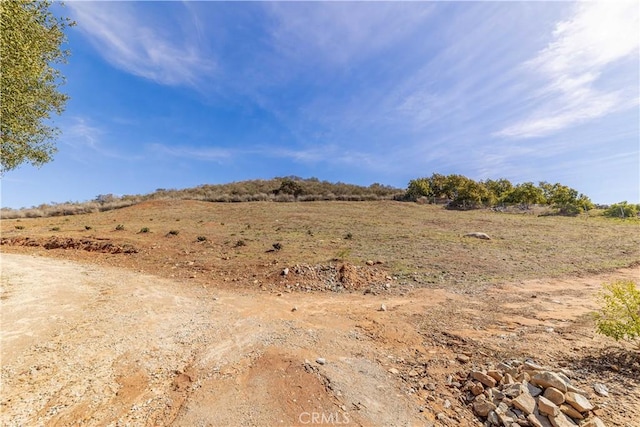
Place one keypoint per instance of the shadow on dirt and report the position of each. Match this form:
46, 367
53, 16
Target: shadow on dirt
618, 362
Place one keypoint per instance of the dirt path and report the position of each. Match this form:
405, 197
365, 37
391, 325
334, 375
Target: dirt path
87, 345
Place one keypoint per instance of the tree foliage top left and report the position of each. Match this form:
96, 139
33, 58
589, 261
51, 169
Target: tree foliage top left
31, 39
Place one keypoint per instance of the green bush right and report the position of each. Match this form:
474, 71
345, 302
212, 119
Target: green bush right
619, 315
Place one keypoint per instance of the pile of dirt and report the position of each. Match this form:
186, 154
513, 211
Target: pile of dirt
87, 244
343, 277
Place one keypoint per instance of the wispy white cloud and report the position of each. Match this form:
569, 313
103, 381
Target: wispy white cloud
86, 140
340, 32
120, 33
584, 48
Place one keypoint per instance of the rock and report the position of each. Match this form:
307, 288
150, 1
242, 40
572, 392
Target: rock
554, 395
578, 401
537, 420
447, 404
413, 373
477, 389
483, 236
493, 418
504, 367
570, 411
294, 309
575, 389
483, 407
462, 358
369, 262
533, 366
601, 390
382, 307
547, 407
508, 418
496, 375
507, 379
321, 361
483, 378
549, 379
561, 420
525, 402
593, 422
285, 272
497, 394
523, 376
513, 390
533, 390
564, 377
394, 371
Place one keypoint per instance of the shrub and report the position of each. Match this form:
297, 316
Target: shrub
348, 236
622, 210
173, 233
87, 227
240, 243
19, 227
201, 238
144, 230
619, 316
277, 246
120, 227
55, 229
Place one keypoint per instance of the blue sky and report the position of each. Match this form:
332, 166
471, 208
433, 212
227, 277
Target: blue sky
179, 94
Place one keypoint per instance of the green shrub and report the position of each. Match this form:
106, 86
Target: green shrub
173, 233
619, 316
622, 210
120, 227
19, 227
144, 230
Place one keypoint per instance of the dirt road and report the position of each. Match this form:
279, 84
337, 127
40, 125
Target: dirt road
88, 345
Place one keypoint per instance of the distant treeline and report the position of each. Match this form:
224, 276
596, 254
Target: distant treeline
452, 191
460, 192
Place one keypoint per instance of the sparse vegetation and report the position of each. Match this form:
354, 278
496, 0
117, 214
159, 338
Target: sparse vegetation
88, 227
55, 229
173, 233
348, 236
277, 246
19, 227
342, 254
201, 238
619, 316
240, 243
622, 210
144, 230
119, 227
419, 243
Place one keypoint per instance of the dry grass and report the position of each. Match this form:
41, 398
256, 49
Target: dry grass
421, 244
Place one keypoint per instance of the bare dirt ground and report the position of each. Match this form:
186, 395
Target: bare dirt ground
83, 344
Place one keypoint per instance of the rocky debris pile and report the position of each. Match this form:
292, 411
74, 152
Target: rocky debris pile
527, 394
343, 277
91, 245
